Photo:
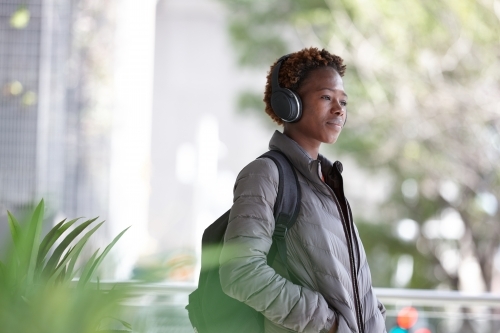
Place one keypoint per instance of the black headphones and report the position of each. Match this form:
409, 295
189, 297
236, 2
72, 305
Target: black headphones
284, 102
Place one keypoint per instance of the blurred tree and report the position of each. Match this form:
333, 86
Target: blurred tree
423, 86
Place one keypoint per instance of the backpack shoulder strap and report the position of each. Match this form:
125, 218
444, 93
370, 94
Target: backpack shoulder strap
287, 205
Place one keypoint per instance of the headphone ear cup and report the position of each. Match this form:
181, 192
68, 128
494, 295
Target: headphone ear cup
286, 104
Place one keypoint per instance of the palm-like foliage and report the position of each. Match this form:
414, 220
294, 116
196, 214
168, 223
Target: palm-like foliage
36, 293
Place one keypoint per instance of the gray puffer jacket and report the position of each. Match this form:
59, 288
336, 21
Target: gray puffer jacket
323, 249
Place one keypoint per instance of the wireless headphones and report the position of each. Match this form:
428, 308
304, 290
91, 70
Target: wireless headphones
284, 102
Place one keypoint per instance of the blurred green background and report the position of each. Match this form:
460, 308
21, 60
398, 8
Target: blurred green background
424, 118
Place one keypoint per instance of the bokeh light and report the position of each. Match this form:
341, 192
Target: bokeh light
398, 330
20, 18
407, 317
423, 330
15, 88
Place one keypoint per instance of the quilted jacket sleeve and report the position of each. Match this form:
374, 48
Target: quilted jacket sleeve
244, 272
382, 309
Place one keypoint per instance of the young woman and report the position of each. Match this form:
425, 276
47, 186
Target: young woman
324, 252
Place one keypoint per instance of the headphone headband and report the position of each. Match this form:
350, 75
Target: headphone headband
274, 79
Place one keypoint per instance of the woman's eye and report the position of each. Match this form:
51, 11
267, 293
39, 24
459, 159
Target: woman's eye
326, 97
343, 103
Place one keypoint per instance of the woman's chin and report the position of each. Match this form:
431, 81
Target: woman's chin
332, 139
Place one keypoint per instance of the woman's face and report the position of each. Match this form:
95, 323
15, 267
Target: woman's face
324, 104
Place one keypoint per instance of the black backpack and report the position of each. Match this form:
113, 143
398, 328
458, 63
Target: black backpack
210, 309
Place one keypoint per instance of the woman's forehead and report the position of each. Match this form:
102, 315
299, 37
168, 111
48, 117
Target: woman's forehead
323, 78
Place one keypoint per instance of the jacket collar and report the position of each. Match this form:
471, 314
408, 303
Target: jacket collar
309, 168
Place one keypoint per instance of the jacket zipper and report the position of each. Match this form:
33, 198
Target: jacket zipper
347, 231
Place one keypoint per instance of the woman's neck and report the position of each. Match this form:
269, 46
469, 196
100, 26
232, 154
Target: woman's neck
310, 146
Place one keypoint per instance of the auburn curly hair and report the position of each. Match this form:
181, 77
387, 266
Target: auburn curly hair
295, 69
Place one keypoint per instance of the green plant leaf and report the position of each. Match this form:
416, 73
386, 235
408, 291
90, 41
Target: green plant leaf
15, 260
124, 323
57, 271
54, 259
73, 253
79, 246
88, 265
127, 325
43, 249
67, 254
84, 279
15, 228
52, 236
3, 272
49, 240
61, 276
33, 236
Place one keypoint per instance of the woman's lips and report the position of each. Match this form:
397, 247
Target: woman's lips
335, 123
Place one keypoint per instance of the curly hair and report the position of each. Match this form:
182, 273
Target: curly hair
295, 69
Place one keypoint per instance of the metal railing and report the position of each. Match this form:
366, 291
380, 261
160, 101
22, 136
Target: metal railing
389, 295
161, 308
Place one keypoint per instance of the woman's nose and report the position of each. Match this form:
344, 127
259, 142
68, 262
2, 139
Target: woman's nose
337, 108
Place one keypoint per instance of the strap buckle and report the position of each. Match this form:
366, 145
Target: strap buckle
280, 231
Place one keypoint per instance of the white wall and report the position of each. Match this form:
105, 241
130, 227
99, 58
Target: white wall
131, 132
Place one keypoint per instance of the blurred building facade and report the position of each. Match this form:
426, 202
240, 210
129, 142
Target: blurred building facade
51, 146
40, 140
19, 59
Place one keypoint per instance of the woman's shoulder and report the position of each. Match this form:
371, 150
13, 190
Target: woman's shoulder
263, 168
